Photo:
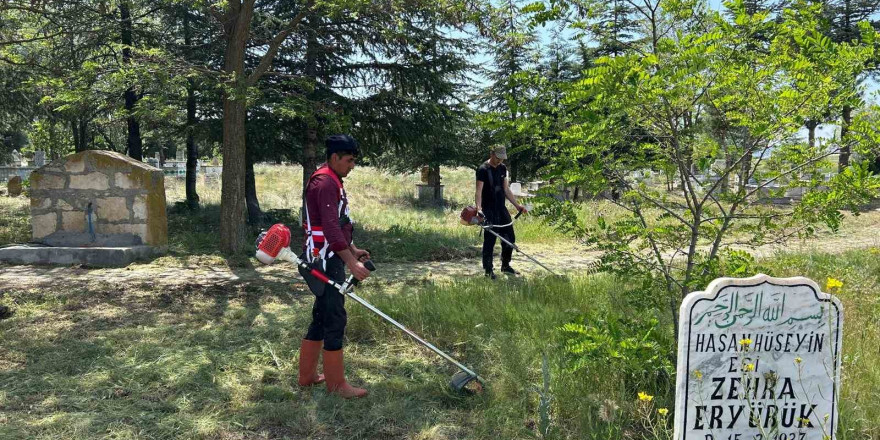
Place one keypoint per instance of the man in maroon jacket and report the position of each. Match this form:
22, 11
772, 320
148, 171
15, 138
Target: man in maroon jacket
329, 248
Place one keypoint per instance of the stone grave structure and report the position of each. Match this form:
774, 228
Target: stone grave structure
97, 208
13, 187
430, 190
758, 359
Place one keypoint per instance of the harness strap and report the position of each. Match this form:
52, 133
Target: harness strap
315, 233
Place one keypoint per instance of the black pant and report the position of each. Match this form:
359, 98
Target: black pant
328, 313
489, 246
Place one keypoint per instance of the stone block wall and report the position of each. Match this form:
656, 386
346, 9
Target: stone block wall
124, 198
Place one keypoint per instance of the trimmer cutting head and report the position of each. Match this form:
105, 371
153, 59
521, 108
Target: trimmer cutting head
464, 382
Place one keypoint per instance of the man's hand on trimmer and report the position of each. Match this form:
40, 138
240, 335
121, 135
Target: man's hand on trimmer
360, 254
358, 270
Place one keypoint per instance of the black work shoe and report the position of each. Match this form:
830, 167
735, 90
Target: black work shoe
491, 275
509, 270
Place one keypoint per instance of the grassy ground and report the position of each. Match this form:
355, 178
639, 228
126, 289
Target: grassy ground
389, 219
115, 359
123, 361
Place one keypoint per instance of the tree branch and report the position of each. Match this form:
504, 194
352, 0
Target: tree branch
275, 44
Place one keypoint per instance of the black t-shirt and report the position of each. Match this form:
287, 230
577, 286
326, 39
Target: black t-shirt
493, 192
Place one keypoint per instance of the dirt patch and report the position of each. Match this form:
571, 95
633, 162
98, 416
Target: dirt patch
189, 275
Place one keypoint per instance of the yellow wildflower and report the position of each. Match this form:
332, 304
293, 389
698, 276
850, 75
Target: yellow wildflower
798, 360
645, 397
698, 374
749, 367
745, 342
663, 411
832, 283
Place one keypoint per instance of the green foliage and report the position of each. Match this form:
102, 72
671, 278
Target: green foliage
734, 90
631, 347
49, 136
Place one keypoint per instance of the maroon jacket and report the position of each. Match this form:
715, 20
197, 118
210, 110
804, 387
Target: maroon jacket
322, 201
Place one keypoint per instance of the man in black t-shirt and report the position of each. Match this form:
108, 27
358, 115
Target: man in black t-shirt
493, 189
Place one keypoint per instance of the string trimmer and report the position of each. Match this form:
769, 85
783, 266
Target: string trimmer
470, 216
275, 246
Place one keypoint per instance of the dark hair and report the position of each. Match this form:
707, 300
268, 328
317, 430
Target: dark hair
341, 144
342, 153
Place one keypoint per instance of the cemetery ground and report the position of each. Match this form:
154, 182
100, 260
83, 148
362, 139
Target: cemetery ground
194, 345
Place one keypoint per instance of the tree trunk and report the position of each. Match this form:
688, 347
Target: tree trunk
232, 197
192, 152
134, 143
434, 180
513, 166
74, 132
811, 132
728, 163
843, 161
310, 141
80, 127
724, 187
745, 170
309, 159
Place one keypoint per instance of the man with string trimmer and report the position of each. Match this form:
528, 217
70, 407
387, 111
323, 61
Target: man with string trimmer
329, 248
493, 190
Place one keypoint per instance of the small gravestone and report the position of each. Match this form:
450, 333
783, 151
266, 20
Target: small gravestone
16, 158
180, 155
758, 359
13, 187
39, 158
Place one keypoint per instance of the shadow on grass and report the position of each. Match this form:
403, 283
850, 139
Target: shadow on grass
201, 362
195, 232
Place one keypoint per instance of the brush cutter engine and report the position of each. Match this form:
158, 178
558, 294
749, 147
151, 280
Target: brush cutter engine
470, 216
274, 244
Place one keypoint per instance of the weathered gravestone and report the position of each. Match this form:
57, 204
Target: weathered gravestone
13, 187
758, 359
39, 158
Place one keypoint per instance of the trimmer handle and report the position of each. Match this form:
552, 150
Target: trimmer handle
352, 281
517, 215
369, 265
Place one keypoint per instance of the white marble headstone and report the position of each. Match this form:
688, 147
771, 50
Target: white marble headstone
758, 359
